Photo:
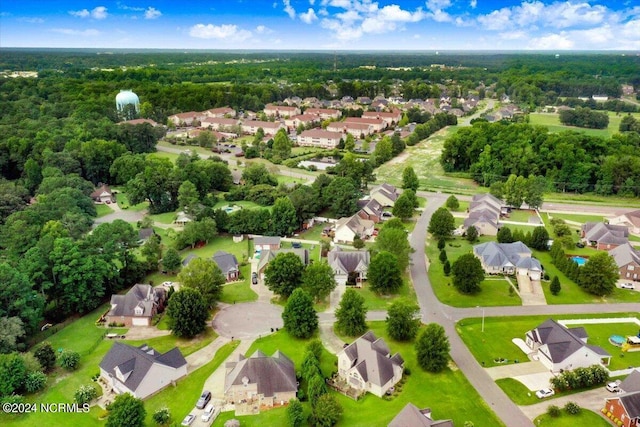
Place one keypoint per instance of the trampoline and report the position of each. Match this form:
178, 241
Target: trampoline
617, 340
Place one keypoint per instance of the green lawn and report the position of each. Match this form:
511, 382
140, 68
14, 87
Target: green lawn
164, 218
239, 291
518, 215
599, 335
584, 418
518, 392
374, 301
102, 210
164, 155
493, 293
552, 121
315, 232
186, 346
123, 201
572, 217
495, 341
448, 394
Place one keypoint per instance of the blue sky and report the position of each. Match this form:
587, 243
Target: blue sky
323, 24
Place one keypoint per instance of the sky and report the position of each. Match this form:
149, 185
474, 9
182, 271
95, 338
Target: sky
389, 25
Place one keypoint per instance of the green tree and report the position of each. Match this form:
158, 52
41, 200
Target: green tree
257, 173
555, 287
452, 203
534, 193
12, 373
18, 298
472, 234
358, 243
350, 143
282, 144
432, 348
299, 317
171, 260
446, 268
96, 157
295, 413
11, 332
318, 280
403, 320
203, 275
467, 274
442, 243
403, 206
310, 366
284, 220
187, 312
504, 235
162, 416
327, 411
515, 189
394, 240
126, 411
443, 256
284, 273
383, 151
410, 179
35, 381
540, 238
442, 223
157, 183
342, 196
188, 197
70, 360
351, 314
46, 355
384, 274
599, 275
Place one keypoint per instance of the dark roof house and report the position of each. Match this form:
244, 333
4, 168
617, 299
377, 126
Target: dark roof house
138, 306
228, 265
412, 416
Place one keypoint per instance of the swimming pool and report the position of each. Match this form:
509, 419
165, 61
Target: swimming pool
579, 260
617, 340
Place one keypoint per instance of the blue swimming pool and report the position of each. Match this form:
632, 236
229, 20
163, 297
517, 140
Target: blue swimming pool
579, 260
617, 340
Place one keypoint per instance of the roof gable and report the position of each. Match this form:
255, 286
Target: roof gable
275, 374
371, 357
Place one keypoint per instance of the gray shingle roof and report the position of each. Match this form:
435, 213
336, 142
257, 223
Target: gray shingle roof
136, 361
371, 357
605, 233
275, 374
632, 382
515, 254
267, 256
562, 342
411, 416
625, 254
226, 262
348, 261
140, 295
266, 240
188, 259
631, 402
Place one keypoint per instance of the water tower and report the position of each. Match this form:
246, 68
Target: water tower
125, 98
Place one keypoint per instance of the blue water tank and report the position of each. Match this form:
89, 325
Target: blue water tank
127, 97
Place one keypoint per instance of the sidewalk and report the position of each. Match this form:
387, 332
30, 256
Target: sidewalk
204, 355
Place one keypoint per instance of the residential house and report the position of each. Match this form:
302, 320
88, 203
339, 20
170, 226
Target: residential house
631, 383
325, 113
628, 261
319, 138
631, 220
347, 228
412, 416
266, 243
270, 128
485, 212
188, 259
182, 218
306, 120
367, 365
270, 254
220, 112
560, 348
378, 125
358, 130
141, 371
391, 118
364, 100
385, 194
228, 265
604, 236
625, 408
370, 209
187, 119
348, 265
265, 380
220, 123
144, 234
508, 258
138, 306
280, 110
103, 194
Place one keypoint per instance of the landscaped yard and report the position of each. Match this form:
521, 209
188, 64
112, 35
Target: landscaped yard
599, 335
572, 217
186, 346
123, 201
374, 301
518, 215
495, 341
584, 418
239, 291
103, 209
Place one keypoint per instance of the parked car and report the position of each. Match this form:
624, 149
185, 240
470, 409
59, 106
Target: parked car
545, 392
627, 286
188, 420
296, 245
210, 412
254, 278
205, 397
613, 387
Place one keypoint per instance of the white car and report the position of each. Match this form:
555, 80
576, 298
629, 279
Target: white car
210, 412
188, 420
627, 286
613, 387
545, 392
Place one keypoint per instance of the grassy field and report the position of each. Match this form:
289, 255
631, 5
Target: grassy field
495, 341
599, 335
572, 217
448, 394
102, 210
552, 121
186, 346
584, 418
374, 301
123, 201
519, 215
239, 291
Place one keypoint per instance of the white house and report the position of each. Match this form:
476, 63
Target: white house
560, 348
631, 220
367, 365
508, 258
347, 228
319, 138
385, 194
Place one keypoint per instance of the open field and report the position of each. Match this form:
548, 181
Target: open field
599, 335
552, 121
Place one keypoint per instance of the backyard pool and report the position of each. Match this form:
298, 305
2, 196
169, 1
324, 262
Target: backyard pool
579, 260
617, 340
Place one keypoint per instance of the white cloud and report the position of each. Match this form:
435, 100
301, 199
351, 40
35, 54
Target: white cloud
152, 13
551, 42
261, 29
125, 7
31, 20
312, 2
289, 9
73, 32
497, 20
308, 17
220, 32
437, 10
473, 4
99, 12
513, 35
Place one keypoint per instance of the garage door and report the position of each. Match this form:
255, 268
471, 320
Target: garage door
140, 321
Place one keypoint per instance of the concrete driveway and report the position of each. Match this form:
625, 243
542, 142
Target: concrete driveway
592, 400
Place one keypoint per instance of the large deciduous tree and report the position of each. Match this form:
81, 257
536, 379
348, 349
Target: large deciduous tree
205, 276
157, 183
599, 275
351, 314
171, 260
187, 312
18, 299
284, 220
394, 240
257, 173
402, 320
410, 179
442, 223
284, 273
299, 317
403, 206
467, 274
384, 274
432, 348
318, 280
342, 196
126, 411
327, 411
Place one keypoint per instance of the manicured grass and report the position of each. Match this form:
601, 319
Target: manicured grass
518, 215
315, 232
186, 346
518, 392
592, 199
182, 398
599, 335
552, 121
374, 301
243, 203
239, 291
495, 341
164, 218
165, 155
493, 293
123, 201
220, 243
572, 217
102, 210
273, 417
584, 418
